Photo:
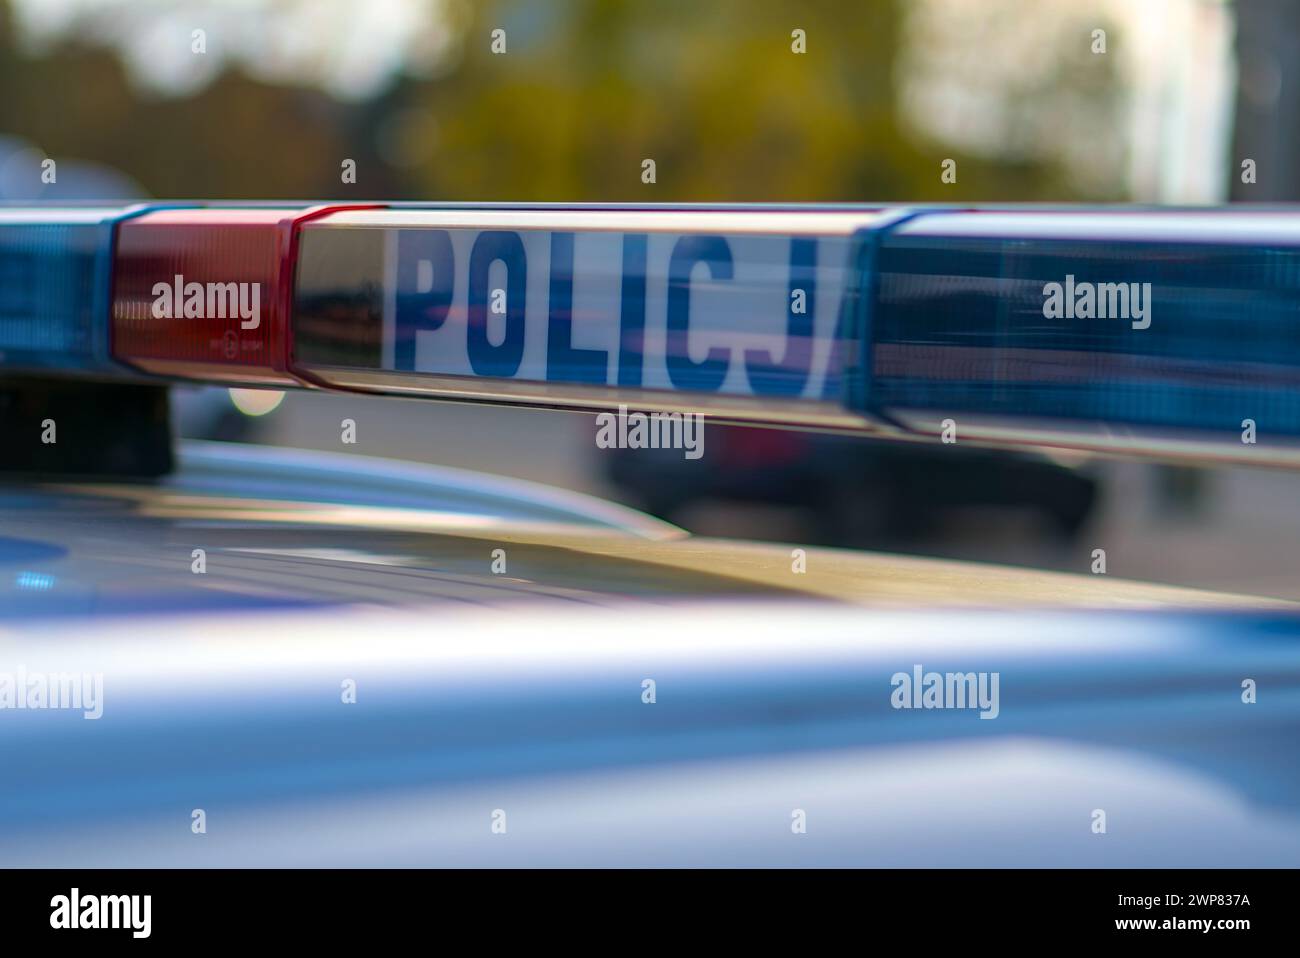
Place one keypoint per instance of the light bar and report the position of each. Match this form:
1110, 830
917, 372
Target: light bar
1167, 333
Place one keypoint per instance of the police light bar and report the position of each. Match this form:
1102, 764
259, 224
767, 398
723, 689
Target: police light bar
1168, 333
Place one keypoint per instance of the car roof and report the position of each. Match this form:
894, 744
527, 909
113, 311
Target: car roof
759, 708
273, 527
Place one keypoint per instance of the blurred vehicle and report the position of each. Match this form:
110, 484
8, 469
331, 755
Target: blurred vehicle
858, 493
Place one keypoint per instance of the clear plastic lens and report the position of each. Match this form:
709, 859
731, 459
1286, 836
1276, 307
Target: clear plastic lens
747, 315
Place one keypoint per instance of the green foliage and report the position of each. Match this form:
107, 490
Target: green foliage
587, 90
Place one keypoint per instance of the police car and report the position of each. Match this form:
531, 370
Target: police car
216, 654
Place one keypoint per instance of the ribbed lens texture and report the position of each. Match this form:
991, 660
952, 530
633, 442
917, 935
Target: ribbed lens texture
47, 296
196, 293
962, 324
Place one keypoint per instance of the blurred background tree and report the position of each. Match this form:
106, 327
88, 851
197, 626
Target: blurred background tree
585, 91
